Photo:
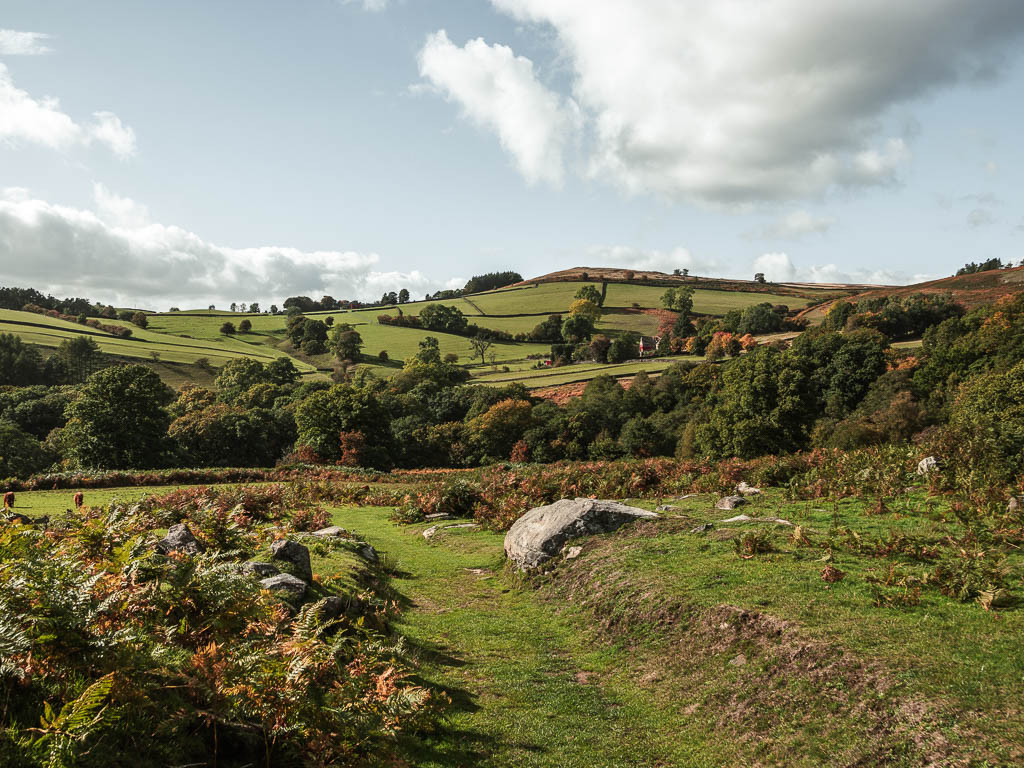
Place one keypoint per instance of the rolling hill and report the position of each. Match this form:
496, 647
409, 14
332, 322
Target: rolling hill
181, 344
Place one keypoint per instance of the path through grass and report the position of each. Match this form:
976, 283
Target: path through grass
522, 678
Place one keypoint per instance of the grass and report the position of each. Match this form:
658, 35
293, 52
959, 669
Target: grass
175, 339
35, 503
602, 661
955, 655
569, 374
143, 344
522, 678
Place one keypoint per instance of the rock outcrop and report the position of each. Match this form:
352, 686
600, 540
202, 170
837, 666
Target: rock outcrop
541, 533
297, 555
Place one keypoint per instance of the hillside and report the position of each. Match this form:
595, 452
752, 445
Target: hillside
971, 290
188, 345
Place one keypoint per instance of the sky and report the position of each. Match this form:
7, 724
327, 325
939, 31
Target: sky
192, 153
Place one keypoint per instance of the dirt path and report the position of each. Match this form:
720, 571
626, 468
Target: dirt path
526, 689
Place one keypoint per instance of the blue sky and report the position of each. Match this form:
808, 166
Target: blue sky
196, 152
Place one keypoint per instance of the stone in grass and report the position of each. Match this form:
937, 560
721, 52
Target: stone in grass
438, 516
1014, 506
330, 532
927, 465
666, 508
730, 502
260, 569
571, 553
179, 539
368, 553
331, 608
286, 585
703, 528
541, 533
747, 490
295, 554
749, 519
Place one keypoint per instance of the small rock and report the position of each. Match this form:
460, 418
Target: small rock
738, 661
748, 519
703, 528
260, 569
461, 525
330, 532
285, 583
571, 553
294, 553
18, 519
1014, 506
666, 508
730, 502
927, 465
685, 496
438, 516
747, 490
179, 539
368, 553
738, 519
331, 608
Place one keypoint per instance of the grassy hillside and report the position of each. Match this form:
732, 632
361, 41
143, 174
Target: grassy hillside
175, 341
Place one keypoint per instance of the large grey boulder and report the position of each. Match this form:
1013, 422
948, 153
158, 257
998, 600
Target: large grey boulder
179, 539
285, 584
541, 533
294, 553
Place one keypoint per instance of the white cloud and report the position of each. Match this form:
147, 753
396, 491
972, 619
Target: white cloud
795, 225
109, 130
41, 121
15, 43
374, 6
735, 102
117, 254
652, 259
500, 91
779, 268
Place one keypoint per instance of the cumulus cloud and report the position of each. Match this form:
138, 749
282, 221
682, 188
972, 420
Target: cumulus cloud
117, 254
779, 268
15, 43
41, 121
734, 102
653, 259
500, 91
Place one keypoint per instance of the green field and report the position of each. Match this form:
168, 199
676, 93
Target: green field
46, 331
536, 378
175, 341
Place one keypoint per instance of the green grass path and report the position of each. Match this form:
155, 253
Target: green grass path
527, 689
